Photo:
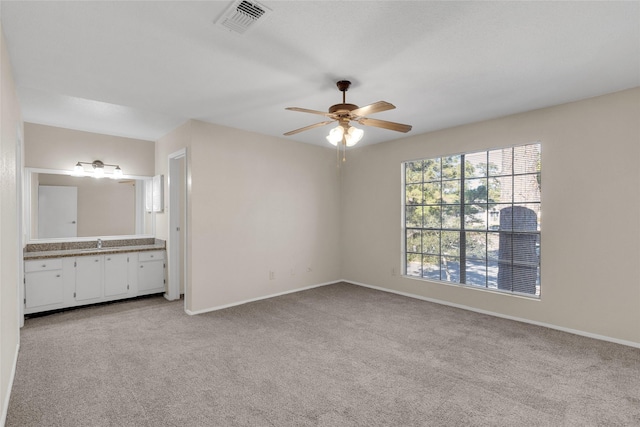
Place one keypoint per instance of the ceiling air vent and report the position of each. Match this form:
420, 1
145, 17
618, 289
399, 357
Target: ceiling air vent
242, 15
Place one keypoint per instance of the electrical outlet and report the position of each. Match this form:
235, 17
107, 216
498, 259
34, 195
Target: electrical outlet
293, 271
272, 275
393, 271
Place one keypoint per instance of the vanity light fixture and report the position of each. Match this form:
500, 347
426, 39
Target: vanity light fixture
97, 169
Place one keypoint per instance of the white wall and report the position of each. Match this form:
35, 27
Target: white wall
50, 147
10, 125
257, 204
590, 213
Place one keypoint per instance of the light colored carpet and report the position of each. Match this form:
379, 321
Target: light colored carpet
339, 355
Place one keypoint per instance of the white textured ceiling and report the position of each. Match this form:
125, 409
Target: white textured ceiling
140, 69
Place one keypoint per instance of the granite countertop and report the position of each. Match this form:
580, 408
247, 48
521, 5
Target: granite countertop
91, 251
62, 253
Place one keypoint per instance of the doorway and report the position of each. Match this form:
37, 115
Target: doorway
177, 247
57, 211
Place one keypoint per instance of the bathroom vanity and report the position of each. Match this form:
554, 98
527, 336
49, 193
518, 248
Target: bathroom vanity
95, 245
72, 274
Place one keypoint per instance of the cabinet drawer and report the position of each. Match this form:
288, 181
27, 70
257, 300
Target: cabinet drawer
42, 265
151, 256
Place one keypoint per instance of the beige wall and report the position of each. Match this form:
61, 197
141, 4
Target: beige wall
590, 213
50, 147
260, 204
10, 125
257, 204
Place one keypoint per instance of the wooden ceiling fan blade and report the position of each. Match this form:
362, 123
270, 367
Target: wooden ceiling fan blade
376, 107
306, 110
317, 125
399, 127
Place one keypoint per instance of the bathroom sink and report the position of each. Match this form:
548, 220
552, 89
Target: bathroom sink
94, 249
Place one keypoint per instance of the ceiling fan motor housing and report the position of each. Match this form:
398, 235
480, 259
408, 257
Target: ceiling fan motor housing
342, 108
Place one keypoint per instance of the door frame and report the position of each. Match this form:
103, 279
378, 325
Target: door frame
21, 220
173, 288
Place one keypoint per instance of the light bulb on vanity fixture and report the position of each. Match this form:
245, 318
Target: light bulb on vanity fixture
78, 169
97, 170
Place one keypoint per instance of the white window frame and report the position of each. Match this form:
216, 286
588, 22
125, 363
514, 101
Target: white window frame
528, 235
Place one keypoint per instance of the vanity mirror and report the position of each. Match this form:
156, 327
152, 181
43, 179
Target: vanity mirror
61, 206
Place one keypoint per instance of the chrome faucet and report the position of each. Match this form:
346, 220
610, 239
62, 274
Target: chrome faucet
99, 243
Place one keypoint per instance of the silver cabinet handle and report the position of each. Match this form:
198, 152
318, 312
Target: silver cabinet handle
44, 265
108, 259
57, 275
96, 260
150, 256
142, 266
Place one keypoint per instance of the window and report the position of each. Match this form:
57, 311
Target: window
474, 219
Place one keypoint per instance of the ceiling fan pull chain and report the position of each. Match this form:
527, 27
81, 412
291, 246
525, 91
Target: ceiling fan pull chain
344, 149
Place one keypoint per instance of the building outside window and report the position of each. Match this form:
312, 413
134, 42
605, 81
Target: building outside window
474, 219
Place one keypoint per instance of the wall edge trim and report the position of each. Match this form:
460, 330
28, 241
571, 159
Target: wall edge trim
5, 404
233, 304
504, 316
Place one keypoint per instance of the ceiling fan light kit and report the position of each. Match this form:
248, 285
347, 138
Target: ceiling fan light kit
344, 114
351, 136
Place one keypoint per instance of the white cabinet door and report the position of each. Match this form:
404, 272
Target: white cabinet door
115, 275
43, 288
43, 283
150, 275
151, 272
89, 277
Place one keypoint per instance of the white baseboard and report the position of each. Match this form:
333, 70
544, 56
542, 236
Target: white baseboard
504, 316
233, 304
433, 300
5, 404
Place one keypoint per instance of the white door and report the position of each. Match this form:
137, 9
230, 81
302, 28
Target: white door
177, 225
57, 211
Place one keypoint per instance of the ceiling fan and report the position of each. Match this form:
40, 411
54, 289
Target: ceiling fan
345, 113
